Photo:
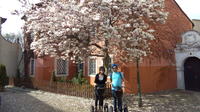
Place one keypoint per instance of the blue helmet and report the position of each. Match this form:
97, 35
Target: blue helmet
114, 65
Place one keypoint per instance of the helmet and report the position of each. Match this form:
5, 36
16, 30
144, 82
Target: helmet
114, 65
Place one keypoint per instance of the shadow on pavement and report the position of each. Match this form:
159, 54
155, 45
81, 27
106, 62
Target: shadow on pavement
22, 101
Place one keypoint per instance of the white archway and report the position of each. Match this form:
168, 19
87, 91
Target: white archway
190, 47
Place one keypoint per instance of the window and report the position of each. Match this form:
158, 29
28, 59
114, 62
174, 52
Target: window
61, 67
92, 66
32, 67
80, 67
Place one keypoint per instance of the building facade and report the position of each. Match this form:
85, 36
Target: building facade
157, 73
196, 24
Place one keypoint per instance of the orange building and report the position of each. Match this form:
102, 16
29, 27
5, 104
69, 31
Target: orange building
156, 73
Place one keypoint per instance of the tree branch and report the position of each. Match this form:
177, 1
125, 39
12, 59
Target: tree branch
97, 55
96, 45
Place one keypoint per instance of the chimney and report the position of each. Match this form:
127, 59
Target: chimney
2, 20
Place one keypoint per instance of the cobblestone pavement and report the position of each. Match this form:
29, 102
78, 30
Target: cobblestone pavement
167, 101
25, 100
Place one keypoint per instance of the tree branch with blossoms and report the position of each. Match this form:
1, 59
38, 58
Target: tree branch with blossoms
71, 28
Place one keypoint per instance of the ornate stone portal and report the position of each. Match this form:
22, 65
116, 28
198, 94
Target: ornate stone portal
190, 47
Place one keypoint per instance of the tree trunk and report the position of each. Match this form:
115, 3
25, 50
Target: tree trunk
106, 59
106, 62
139, 84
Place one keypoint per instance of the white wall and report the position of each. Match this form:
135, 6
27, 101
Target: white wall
196, 25
9, 55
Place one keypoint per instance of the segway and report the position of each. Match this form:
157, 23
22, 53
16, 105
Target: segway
0, 100
124, 107
105, 106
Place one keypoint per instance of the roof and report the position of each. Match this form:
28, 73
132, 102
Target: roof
3, 20
195, 19
184, 13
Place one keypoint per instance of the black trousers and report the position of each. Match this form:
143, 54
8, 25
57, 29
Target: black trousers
117, 102
99, 97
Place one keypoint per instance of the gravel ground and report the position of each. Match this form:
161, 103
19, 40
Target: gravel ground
26, 100
167, 101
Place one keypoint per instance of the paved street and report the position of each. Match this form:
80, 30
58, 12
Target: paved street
20, 100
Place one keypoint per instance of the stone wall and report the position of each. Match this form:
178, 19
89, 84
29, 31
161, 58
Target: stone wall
196, 25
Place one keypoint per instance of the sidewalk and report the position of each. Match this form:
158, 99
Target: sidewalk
167, 101
27, 100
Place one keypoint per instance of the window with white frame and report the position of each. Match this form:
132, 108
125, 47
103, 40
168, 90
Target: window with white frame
92, 66
32, 66
61, 67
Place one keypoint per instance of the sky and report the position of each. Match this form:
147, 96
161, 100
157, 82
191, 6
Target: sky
190, 7
14, 23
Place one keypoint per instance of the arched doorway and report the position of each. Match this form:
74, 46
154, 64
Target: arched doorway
192, 74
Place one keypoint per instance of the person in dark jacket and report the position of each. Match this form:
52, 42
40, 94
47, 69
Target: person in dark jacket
100, 81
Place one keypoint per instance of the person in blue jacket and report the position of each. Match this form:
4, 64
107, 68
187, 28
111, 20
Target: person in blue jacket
117, 92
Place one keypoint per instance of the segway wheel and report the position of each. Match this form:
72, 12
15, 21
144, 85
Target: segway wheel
105, 107
92, 109
110, 109
125, 108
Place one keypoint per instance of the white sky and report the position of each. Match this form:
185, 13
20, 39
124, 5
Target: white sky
190, 7
14, 24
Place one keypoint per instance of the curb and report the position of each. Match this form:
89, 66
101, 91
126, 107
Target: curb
12, 88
